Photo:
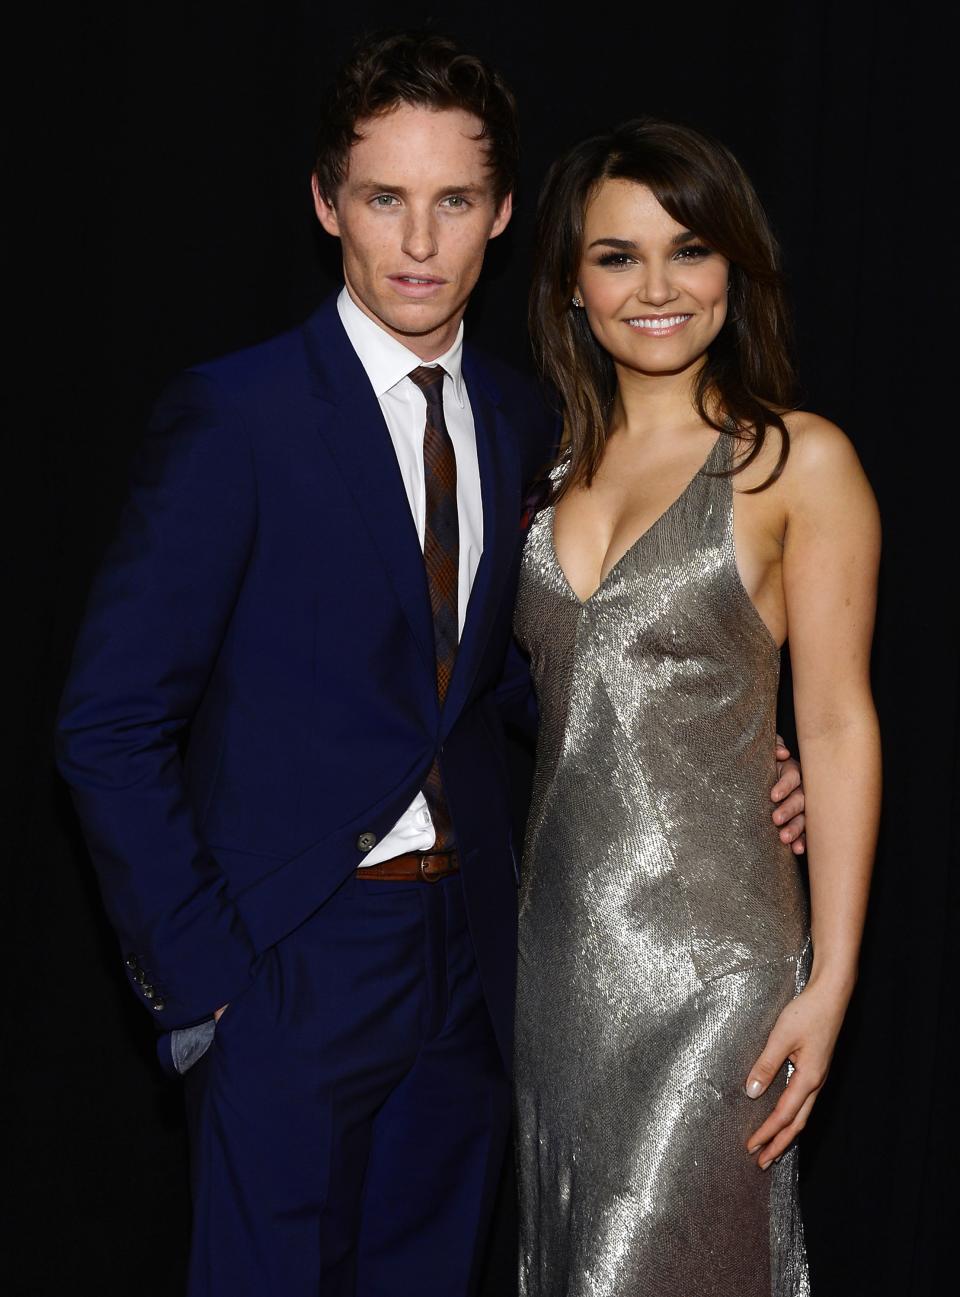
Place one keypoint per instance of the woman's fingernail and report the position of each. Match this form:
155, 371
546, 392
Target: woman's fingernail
764, 1165
754, 1087
756, 1149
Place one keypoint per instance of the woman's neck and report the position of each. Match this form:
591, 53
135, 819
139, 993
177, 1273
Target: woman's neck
648, 403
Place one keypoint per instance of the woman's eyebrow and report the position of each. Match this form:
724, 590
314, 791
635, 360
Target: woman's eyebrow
628, 245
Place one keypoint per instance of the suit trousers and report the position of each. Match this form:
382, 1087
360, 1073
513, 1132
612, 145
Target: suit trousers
348, 1123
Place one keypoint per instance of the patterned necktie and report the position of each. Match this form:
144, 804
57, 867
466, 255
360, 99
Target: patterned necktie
441, 556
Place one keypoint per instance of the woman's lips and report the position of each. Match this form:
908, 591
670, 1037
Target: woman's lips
658, 326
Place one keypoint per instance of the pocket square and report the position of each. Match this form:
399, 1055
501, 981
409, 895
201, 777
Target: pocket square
189, 1044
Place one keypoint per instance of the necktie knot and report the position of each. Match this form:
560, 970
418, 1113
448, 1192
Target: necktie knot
429, 378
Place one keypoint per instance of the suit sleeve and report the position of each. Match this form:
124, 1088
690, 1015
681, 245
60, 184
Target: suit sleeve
156, 618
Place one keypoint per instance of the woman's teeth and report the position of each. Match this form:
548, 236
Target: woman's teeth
661, 322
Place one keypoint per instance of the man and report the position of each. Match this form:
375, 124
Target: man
283, 726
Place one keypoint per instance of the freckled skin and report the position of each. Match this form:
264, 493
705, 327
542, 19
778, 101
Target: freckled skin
417, 199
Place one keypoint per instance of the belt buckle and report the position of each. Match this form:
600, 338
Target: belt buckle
425, 865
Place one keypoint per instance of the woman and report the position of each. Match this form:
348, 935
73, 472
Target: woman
672, 975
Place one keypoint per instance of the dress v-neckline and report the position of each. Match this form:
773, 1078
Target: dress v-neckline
634, 544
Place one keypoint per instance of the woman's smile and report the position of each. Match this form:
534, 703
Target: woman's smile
658, 326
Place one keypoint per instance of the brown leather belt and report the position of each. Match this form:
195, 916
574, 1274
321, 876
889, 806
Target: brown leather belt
414, 866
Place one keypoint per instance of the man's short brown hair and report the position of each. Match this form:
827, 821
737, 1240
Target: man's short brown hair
424, 70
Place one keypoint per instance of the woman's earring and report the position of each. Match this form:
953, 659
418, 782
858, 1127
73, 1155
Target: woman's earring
576, 301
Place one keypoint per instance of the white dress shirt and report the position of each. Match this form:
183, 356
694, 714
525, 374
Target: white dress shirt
387, 364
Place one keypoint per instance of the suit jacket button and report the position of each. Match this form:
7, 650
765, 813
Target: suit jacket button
131, 961
148, 992
366, 841
158, 1006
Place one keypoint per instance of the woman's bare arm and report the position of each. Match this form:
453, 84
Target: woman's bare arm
830, 558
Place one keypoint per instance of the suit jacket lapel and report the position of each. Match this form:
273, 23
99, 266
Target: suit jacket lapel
500, 490
357, 438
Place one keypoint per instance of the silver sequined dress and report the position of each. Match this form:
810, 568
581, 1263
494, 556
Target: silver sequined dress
663, 925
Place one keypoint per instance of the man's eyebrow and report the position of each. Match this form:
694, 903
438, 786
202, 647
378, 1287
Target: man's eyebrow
380, 187
628, 245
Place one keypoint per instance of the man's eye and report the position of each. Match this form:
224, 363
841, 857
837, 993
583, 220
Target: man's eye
455, 200
384, 200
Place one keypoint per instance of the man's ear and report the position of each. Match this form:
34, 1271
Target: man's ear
502, 218
326, 212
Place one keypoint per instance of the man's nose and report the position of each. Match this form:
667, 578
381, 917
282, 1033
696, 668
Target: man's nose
419, 237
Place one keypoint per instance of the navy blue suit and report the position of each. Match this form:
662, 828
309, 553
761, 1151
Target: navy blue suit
253, 695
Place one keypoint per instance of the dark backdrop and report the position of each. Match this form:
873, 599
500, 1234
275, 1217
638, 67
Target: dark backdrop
171, 201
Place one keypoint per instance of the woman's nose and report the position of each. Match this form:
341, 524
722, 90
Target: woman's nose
656, 288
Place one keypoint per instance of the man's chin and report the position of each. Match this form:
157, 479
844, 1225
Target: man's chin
416, 322
410, 319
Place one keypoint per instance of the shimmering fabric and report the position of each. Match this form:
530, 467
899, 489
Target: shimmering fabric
663, 925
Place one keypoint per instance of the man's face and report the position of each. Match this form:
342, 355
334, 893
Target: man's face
413, 215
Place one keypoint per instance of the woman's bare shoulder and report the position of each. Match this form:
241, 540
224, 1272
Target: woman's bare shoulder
820, 451
814, 434
824, 480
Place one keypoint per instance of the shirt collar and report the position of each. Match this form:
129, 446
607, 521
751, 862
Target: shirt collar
388, 362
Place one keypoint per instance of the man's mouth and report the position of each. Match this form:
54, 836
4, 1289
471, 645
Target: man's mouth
416, 286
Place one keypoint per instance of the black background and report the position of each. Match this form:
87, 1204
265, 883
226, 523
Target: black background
167, 188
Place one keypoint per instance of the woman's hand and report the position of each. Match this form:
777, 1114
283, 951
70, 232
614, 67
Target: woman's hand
788, 791
805, 1033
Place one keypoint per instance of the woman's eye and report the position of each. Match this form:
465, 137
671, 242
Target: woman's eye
693, 252
615, 259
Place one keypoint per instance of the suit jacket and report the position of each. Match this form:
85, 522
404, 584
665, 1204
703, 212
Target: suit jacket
253, 693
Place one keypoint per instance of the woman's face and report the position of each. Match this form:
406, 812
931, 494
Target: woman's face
654, 293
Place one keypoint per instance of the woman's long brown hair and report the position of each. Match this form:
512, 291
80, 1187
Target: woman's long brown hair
747, 381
